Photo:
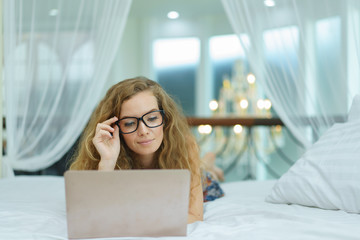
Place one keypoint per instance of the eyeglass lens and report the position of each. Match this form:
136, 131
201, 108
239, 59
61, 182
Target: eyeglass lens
151, 120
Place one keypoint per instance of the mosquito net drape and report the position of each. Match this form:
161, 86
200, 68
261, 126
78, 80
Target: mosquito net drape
57, 57
305, 54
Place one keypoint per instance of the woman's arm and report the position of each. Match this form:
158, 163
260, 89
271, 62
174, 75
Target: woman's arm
196, 192
196, 198
196, 209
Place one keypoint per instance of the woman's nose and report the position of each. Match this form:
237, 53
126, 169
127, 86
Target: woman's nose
142, 129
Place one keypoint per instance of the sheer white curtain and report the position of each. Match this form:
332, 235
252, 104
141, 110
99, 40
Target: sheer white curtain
57, 57
305, 54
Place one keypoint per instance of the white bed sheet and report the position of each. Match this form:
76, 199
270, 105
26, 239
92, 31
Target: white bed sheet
34, 208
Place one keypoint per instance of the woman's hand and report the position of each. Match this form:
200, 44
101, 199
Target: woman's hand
107, 143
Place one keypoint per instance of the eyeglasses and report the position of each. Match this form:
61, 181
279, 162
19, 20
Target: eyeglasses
151, 120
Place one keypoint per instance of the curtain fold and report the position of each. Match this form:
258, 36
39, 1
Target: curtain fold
57, 58
305, 54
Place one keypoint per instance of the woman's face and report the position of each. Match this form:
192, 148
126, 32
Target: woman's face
145, 141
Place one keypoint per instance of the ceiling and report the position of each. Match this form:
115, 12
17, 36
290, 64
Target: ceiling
154, 9
186, 8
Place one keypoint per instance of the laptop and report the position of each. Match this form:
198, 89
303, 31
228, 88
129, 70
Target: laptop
127, 203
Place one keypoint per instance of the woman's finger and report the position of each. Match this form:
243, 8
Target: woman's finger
110, 121
116, 132
102, 126
104, 134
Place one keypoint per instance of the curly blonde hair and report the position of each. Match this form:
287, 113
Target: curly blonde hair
178, 149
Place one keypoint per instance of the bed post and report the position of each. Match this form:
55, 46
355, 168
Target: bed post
1, 86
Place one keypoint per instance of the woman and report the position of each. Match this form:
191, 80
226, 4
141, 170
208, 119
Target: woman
137, 125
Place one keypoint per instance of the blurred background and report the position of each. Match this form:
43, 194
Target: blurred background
259, 81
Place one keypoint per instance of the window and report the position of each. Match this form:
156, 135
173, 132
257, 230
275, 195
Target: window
175, 62
281, 51
225, 50
328, 57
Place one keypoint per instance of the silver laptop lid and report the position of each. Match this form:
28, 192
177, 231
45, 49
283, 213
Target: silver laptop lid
127, 203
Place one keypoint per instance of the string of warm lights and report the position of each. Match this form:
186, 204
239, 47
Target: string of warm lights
240, 91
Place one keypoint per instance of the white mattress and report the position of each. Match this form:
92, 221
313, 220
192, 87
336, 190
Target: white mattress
34, 208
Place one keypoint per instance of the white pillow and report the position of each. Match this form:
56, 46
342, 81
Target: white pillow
328, 174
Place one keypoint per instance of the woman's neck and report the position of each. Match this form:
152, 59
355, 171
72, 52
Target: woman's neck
147, 162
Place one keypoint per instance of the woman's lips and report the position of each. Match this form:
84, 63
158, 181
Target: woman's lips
145, 142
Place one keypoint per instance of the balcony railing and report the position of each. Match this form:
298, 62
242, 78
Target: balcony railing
231, 121
247, 150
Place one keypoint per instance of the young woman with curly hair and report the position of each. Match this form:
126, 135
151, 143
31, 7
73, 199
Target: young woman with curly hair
137, 125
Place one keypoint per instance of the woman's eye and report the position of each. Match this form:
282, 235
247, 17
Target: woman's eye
129, 124
151, 119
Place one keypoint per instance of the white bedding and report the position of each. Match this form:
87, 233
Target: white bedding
34, 208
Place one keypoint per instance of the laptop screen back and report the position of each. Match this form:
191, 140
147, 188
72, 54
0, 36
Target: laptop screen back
127, 203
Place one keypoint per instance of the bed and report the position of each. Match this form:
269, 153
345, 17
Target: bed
317, 198
33, 207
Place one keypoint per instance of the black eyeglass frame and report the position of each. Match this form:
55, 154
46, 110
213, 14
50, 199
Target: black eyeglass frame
162, 112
